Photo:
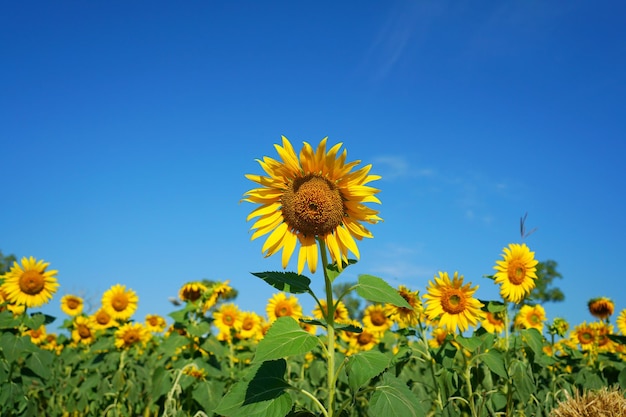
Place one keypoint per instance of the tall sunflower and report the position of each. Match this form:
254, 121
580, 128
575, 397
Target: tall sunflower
531, 317
493, 322
452, 302
72, 305
280, 306
313, 195
120, 302
601, 307
31, 284
516, 273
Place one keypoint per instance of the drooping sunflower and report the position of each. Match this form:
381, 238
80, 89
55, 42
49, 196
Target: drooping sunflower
249, 326
101, 320
601, 307
452, 302
313, 195
155, 323
191, 291
83, 330
281, 305
219, 291
72, 305
31, 284
516, 273
621, 322
130, 334
531, 317
341, 312
120, 302
376, 320
406, 317
493, 322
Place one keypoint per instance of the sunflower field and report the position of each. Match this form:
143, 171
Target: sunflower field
445, 352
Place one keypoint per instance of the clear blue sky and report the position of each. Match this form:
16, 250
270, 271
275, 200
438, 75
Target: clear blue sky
127, 128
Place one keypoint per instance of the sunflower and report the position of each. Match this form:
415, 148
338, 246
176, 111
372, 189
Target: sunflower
248, 326
191, 291
531, 317
341, 312
101, 320
219, 290
601, 307
119, 302
359, 342
438, 337
193, 371
227, 318
83, 330
452, 302
375, 319
493, 322
71, 305
602, 332
516, 274
37, 336
621, 322
406, 317
31, 285
130, 334
312, 196
559, 326
584, 335
280, 305
155, 323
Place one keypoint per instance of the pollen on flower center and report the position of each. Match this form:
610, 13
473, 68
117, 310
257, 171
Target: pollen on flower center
378, 318
84, 331
516, 272
120, 303
454, 302
31, 282
313, 206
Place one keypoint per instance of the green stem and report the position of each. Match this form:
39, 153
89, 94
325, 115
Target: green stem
467, 374
330, 329
315, 400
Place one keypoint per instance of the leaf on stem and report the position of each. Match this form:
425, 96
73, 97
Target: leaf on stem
377, 290
286, 281
284, 338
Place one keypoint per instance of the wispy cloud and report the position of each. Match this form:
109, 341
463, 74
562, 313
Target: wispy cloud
394, 166
397, 265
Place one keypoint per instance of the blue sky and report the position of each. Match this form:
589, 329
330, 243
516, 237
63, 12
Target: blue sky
127, 128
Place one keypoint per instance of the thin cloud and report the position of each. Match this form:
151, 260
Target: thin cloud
393, 167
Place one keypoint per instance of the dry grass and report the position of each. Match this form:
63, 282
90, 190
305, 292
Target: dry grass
606, 402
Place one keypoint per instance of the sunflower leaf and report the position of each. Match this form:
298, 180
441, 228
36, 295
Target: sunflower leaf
394, 398
286, 281
284, 338
333, 271
377, 290
364, 366
337, 326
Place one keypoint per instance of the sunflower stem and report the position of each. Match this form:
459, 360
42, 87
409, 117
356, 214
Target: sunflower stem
330, 329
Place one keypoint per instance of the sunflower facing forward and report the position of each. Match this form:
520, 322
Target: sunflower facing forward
452, 302
315, 195
516, 273
31, 284
120, 302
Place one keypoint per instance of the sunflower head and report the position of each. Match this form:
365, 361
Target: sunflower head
131, 334
310, 197
340, 314
191, 291
493, 322
406, 317
83, 330
227, 318
101, 319
120, 302
30, 284
155, 323
249, 326
559, 327
531, 317
72, 305
516, 273
281, 305
601, 307
452, 303
375, 319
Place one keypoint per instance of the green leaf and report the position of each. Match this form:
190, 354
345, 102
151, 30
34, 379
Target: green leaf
494, 306
533, 339
495, 362
333, 271
40, 363
198, 329
337, 326
284, 338
13, 347
469, 343
261, 393
286, 281
364, 366
394, 399
377, 290
7, 320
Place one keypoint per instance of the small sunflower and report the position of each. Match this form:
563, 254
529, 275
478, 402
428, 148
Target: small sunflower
83, 330
120, 302
195, 372
130, 334
516, 274
493, 322
219, 290
191, 291
281, 305
360, 342
248, 326
227, 318
406, 317
101, 320
601, 307
438, 337
375, 319
584, 335
72, 305
531, 317
452, 302
37, 336
621, 322
559, 327
155, 323
341, 312
315, 195
30, 285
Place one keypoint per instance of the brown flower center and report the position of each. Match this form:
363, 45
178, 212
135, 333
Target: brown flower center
131, 337
494, 318
73, 303
191, 294
32, 282
83, 331
453, 301
228, 319
282, 309
378, 318
313, 206
247, 325
534, 319
119, 302
585, 337
365, 338
102, 317
516, 272
153, 321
